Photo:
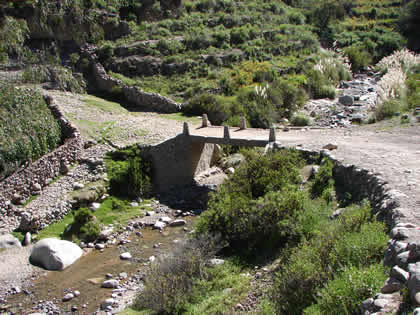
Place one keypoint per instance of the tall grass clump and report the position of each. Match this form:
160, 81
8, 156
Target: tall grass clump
392, 87
28, 128
170, 281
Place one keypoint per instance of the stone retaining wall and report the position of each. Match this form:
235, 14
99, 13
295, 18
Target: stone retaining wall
30, 179
134, 95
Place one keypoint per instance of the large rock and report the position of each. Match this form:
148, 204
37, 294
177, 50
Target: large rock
54, 254
9, 241
346, 100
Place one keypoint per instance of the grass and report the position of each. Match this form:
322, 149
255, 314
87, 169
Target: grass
105, 215
228, 286
104, 105
182, 117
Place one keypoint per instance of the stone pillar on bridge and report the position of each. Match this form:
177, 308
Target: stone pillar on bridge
205, 122
186, 130
226, 134
242, 124
272, 136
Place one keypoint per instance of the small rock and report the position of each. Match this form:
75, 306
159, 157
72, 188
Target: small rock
76, 293
107, 303
99, 246
159, 225
230, 170
165, 219
125, 256
391, 285
110, 284
68, 297
330, 146
346, 100
123, 275
108, 276
90, 245
216, 262
36, 187
78, 186
74, 308
134, 204
28, 239
94, 206
152, 258
399, 274
178, 223
105, 234
150, 213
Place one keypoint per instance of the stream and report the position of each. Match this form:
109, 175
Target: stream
88, 273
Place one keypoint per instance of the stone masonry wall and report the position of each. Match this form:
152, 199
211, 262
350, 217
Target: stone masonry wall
134, 95
30, 179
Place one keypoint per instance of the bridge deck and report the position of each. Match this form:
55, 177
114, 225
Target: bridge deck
216, 134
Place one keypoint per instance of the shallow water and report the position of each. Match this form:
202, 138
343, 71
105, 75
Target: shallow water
88, 273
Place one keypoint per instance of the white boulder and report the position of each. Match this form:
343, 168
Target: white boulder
54, 254
9, 241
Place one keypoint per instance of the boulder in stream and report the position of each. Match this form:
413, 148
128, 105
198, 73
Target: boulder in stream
54, 254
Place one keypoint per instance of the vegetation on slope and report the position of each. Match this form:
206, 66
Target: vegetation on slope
28, 128
264, 215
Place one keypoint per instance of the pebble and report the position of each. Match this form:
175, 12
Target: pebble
68, 297
125, 256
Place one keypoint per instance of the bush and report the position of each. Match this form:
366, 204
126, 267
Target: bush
301, 119
316, 261
388, 109
359, 248
259, 205
128, 174
217, 108
85, 225
169, 282
359, 58
60, 78
344, 294
323, 179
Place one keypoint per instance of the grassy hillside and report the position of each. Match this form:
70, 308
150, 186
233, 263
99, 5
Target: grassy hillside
28, 128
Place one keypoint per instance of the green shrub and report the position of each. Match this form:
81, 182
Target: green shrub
90, 231
85, 225
60, 78
128, 174
345, 293
301, 119
359, 248
359, 58
83, 216
323, 179
217, 108
388, 109
316, 261
259, 205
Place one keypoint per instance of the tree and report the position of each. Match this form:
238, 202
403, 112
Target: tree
409, 24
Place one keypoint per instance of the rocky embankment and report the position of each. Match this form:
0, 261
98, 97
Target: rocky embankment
357, 98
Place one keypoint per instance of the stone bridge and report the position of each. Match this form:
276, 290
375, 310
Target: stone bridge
177, 161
